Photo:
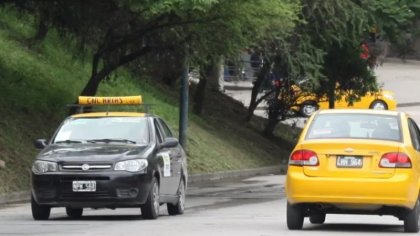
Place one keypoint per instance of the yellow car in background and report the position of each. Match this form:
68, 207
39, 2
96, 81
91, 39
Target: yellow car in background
308, 103
355, 162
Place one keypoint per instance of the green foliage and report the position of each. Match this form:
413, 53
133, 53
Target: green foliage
36, 84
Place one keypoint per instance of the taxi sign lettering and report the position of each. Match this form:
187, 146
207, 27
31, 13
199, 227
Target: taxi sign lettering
127, 100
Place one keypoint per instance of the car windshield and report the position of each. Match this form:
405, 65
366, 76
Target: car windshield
131, 130
362, 126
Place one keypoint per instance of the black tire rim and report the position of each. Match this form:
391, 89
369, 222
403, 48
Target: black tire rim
308, 109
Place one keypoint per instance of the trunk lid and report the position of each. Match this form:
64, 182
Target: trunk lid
336, 156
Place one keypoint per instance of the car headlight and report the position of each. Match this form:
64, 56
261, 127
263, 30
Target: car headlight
388, 96
132, 165
41, 167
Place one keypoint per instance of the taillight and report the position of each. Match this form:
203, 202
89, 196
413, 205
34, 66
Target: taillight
395, 160
303, 158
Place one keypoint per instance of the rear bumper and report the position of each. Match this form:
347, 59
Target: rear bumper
399, 190
113, 189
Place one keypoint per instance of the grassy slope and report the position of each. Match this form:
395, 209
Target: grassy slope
37, 82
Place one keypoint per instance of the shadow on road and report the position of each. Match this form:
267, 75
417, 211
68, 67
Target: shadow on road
377, 228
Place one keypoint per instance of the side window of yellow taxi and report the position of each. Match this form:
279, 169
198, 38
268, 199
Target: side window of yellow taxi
414, 134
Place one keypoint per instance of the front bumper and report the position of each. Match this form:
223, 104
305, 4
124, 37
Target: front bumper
400, 190
113, 189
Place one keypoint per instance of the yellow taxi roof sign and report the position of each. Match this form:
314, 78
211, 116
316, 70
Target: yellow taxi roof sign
125, 100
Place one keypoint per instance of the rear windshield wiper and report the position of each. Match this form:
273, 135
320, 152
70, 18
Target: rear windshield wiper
68, 141
108, 140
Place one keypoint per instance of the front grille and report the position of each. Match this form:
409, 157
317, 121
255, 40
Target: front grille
69, 179
85, 167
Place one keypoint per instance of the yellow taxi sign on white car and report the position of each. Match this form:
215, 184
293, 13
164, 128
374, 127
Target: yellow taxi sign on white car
124, 100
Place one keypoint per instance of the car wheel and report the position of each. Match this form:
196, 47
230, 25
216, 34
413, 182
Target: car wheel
317, 217
39, 212
74, 213
378, 105
411, 220
295, 216
178, 208
150, 210
308, 108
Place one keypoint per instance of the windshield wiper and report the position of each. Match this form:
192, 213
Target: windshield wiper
108, 140
68, 141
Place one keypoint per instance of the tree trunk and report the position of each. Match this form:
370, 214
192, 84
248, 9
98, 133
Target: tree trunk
331, 93
213, 74
42, 30
262, 75
199, 96
273, 113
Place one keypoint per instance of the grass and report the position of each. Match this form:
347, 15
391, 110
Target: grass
37, 82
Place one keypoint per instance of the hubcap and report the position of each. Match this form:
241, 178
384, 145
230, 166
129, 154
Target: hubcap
156, 203
181, 195
379, 106
308, 110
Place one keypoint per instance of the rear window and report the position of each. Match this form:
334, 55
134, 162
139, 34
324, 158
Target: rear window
359, 126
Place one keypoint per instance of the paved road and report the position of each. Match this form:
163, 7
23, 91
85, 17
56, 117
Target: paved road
254, 207
404, 79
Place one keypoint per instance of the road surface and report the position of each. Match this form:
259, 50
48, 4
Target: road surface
254, 206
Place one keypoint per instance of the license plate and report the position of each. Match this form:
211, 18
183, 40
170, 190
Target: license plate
84, 186
349, 161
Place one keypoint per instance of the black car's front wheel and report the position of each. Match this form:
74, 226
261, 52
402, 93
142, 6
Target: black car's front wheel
39, 212
178, 208
74, 213
150, 210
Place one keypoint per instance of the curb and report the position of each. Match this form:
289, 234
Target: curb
15, 197
197, 178
25, 196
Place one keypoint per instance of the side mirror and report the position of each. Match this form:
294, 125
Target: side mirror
169, 143
40, 143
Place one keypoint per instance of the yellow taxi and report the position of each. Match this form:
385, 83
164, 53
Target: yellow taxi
355, 161
307, 103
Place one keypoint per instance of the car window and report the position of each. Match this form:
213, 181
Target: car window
158, 130
414, 134
165, 128
96, 128
362, 126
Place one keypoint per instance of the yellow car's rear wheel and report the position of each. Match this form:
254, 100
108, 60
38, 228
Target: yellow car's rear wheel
412, 219
295, 216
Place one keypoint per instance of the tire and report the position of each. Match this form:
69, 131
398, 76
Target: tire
378, 105
411, 219
178, 208
308, 108
317, 217
39, 212
295, 216
74, 213
150, 210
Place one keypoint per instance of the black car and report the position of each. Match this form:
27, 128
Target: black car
109, 160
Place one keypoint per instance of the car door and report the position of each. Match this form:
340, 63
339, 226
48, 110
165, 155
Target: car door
175, 156
163, 161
